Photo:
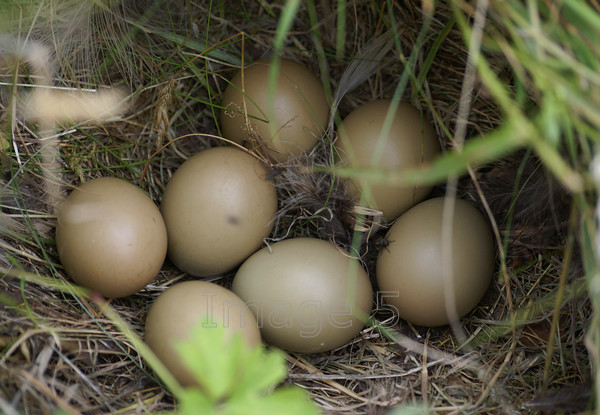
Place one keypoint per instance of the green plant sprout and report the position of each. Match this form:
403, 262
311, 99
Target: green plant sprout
235, 379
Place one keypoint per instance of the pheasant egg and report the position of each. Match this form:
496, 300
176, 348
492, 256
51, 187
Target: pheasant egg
307, 295
111, 237
421, 277
410, 142
299, 109
181, 308
218, 207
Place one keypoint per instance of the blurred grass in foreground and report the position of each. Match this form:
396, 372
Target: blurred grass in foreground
551, 104
554, 55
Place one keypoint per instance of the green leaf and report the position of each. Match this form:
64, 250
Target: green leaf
237, 379
213, 359
262, 370
195, 402
290, 400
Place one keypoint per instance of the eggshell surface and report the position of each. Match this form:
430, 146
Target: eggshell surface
307, 295
218, 207
411, 270
409, 143
299, 110
111, 237
186, 305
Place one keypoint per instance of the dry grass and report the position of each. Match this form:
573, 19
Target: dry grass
58, 350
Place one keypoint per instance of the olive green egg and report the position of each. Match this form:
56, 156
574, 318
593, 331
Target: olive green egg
186, 306
291, 123
218, 207
409, 143
111, 237
307, 294
422, 277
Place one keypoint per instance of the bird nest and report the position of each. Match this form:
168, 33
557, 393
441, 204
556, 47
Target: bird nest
521, 349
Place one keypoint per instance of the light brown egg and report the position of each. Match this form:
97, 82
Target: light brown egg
410, 269
111, 237
410, 143
307, 295
181, 308
300, 109
218, 207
